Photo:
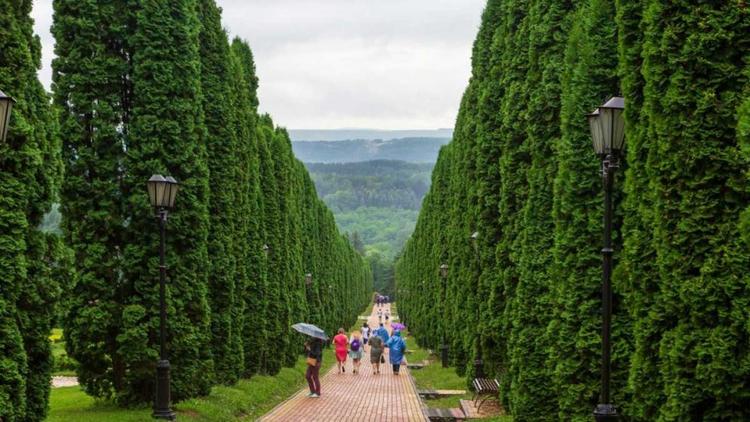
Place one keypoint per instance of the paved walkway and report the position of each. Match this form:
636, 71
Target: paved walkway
362, 397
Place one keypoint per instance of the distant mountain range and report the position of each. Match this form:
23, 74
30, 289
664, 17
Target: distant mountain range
415, 150
364, 134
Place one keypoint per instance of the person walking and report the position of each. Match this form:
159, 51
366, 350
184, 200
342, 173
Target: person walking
376, 353
314, 349
340, 343
355, 351
397, 347
382, 332
365, 333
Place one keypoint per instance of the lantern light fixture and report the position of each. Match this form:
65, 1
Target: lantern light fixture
607, 125
6, 106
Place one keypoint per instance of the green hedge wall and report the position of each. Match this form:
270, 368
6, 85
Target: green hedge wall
30, 173
521, 172
156, 87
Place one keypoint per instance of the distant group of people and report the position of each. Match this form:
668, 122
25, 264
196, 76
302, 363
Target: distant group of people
387, 315
381, 300
377, 339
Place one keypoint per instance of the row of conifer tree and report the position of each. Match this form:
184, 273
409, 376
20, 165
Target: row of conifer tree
521, 172
144, 87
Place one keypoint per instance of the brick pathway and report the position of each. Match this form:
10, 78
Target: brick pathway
362, 397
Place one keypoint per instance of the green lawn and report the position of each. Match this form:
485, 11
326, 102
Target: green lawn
246, 400
63, 365
435, 377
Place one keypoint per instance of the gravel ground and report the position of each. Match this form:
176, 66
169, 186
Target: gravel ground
64, 382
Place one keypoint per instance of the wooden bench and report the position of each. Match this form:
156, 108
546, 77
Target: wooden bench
484, 388
445, 415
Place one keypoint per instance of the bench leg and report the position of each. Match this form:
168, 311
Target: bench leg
486, 396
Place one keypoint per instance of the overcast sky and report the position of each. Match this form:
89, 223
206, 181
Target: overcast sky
328, 64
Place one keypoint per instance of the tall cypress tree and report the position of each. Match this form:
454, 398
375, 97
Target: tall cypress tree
255, 263
224, 167
93, 91
167, 135
588, 76
29, 179
697, 177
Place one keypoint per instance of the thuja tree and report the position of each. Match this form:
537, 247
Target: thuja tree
698, 314
29, 178
225, 207
531, 395
253, 267
167, 135
588, 76
92, 90
160, 90
680, 296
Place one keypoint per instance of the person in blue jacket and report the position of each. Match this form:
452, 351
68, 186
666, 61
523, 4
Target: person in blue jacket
382, 332
397, 347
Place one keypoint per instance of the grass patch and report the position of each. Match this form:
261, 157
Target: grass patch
435, 377
246, 400
63, 365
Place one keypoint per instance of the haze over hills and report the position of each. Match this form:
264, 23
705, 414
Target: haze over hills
365, 134
415, 150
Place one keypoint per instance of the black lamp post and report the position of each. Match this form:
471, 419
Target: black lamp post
162, 192
444, 346
478, 362
6, 106
608, 134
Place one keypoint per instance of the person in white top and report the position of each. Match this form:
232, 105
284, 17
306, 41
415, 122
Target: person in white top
365, 333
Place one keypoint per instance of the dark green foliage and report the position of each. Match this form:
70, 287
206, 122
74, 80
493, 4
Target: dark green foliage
225, 285
30, 172
167, 135
521, 172
588, 76
159, 89
694, 70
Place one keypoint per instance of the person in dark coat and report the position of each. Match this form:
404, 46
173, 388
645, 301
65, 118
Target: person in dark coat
314, 349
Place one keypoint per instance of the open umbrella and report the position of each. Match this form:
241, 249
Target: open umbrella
310, 330
398, 326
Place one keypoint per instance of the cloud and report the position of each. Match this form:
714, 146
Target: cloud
388, 64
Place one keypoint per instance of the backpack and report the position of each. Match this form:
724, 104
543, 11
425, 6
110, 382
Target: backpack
355, 345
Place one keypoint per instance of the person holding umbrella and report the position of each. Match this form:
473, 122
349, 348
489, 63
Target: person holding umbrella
314, 352
314, 349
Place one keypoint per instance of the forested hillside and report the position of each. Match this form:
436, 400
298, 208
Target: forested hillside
376, 203
378, 184
143, 88
521, 172
416, 150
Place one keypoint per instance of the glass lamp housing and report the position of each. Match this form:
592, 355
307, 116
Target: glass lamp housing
6, 106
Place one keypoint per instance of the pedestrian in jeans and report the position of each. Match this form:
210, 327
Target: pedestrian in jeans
314, 349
